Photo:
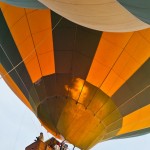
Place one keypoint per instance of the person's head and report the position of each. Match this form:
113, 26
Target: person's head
63, 143
66, 146
41, 134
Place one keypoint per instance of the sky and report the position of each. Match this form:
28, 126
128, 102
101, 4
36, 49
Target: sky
19, 127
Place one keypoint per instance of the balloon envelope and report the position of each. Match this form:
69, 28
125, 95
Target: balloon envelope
85, 85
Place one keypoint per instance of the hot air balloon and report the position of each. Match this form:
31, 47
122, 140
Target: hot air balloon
85, 85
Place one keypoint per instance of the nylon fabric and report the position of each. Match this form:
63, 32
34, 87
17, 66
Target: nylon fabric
140, 9
102, 15
25, 3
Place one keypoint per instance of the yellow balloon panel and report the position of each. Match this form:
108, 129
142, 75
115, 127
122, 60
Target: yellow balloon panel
79, 125
32, 33
109, 49
116, 63
137, 120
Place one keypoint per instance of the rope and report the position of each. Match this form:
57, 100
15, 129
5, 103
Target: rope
19, 129
14, 68
34, 49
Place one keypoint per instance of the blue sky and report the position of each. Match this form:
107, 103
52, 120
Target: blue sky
19, 127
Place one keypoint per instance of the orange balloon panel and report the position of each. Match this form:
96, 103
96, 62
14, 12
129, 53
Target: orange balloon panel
116, 63
136, 120
31, 30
